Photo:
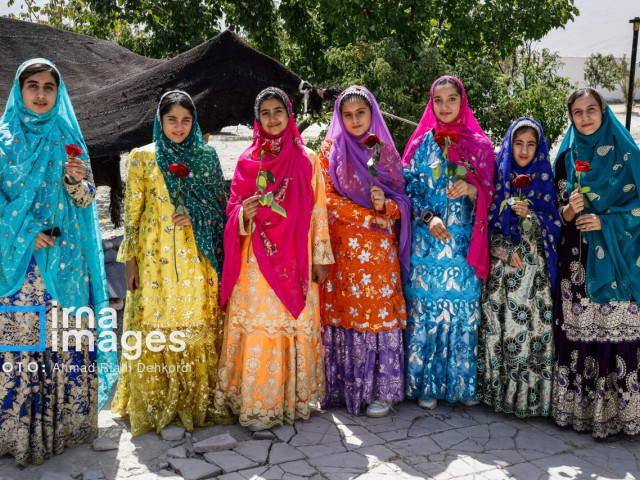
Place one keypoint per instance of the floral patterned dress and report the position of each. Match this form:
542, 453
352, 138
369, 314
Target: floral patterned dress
443, 291
515, 361
175, 383
271, 364
363, 310
50, 398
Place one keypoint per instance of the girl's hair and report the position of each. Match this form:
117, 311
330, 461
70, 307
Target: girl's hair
526, 128
37, 68
176, 98
448, 81
353, 94
583, 92
268, 94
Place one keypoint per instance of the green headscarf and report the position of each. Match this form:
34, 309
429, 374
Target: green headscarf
203, 189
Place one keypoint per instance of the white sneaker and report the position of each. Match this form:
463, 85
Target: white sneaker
428, 404
470, 403
378, 409
256, 427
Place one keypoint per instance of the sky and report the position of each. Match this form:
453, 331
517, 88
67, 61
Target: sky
602, 26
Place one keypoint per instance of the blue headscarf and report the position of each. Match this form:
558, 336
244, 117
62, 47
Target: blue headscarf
613, 261
32, 158
541, 192
203, 190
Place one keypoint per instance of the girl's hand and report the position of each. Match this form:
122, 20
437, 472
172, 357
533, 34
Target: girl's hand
131, 274
44, 240
576, 204
588, 223
319, 273
516, 260
250, 207
181, 220
521, 209
460, 188
438, 230
377, 198
75, 168
385, 222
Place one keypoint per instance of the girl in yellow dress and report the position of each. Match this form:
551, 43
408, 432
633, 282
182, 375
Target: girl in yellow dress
172, 248
271, 362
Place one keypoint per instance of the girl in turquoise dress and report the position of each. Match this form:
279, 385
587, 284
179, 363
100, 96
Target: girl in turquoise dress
449, 251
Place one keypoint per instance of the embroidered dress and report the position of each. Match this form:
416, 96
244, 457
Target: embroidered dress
50, 396
178, 381
515, 344
596, 385
362, 307
271, 362
443, 290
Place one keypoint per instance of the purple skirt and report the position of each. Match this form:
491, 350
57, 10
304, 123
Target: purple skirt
362, 367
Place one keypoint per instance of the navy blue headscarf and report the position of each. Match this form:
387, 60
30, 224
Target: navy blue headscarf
541, 193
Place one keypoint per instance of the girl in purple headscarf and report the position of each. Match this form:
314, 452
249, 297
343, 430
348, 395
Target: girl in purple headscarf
449, 251
363, 310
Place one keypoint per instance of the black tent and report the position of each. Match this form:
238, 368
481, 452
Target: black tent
115, 91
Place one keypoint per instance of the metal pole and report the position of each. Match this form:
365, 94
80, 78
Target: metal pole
632, 70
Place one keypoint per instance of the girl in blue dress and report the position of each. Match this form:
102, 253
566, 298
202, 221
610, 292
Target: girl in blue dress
449, 251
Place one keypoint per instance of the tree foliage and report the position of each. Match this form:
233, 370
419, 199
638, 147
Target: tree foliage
395, 48
602, 71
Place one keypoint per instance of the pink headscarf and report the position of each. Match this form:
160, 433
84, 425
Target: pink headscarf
474, 148
280, 244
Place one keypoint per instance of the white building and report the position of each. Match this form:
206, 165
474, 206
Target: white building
602, 27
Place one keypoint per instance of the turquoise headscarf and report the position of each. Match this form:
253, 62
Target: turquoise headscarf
613, 262
32, 158
203, 190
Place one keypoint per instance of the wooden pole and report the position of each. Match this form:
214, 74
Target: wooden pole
632, 70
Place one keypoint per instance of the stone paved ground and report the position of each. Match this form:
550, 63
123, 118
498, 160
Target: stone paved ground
449, 442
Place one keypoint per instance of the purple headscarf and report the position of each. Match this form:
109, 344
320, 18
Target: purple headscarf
350, 175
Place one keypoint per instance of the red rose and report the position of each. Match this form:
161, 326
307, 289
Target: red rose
443, 134
180, 170
372, 140
265, 147
521, 181
582, 166
73, 150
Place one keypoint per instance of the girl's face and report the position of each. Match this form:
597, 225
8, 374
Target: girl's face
39, 92
356, 116
586, 114
524, 147
177, 123
273, 116
446, 102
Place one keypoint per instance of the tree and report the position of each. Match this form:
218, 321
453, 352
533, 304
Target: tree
623, 77
600, 70
395, 48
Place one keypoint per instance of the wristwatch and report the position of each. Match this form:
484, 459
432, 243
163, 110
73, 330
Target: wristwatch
427, 216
